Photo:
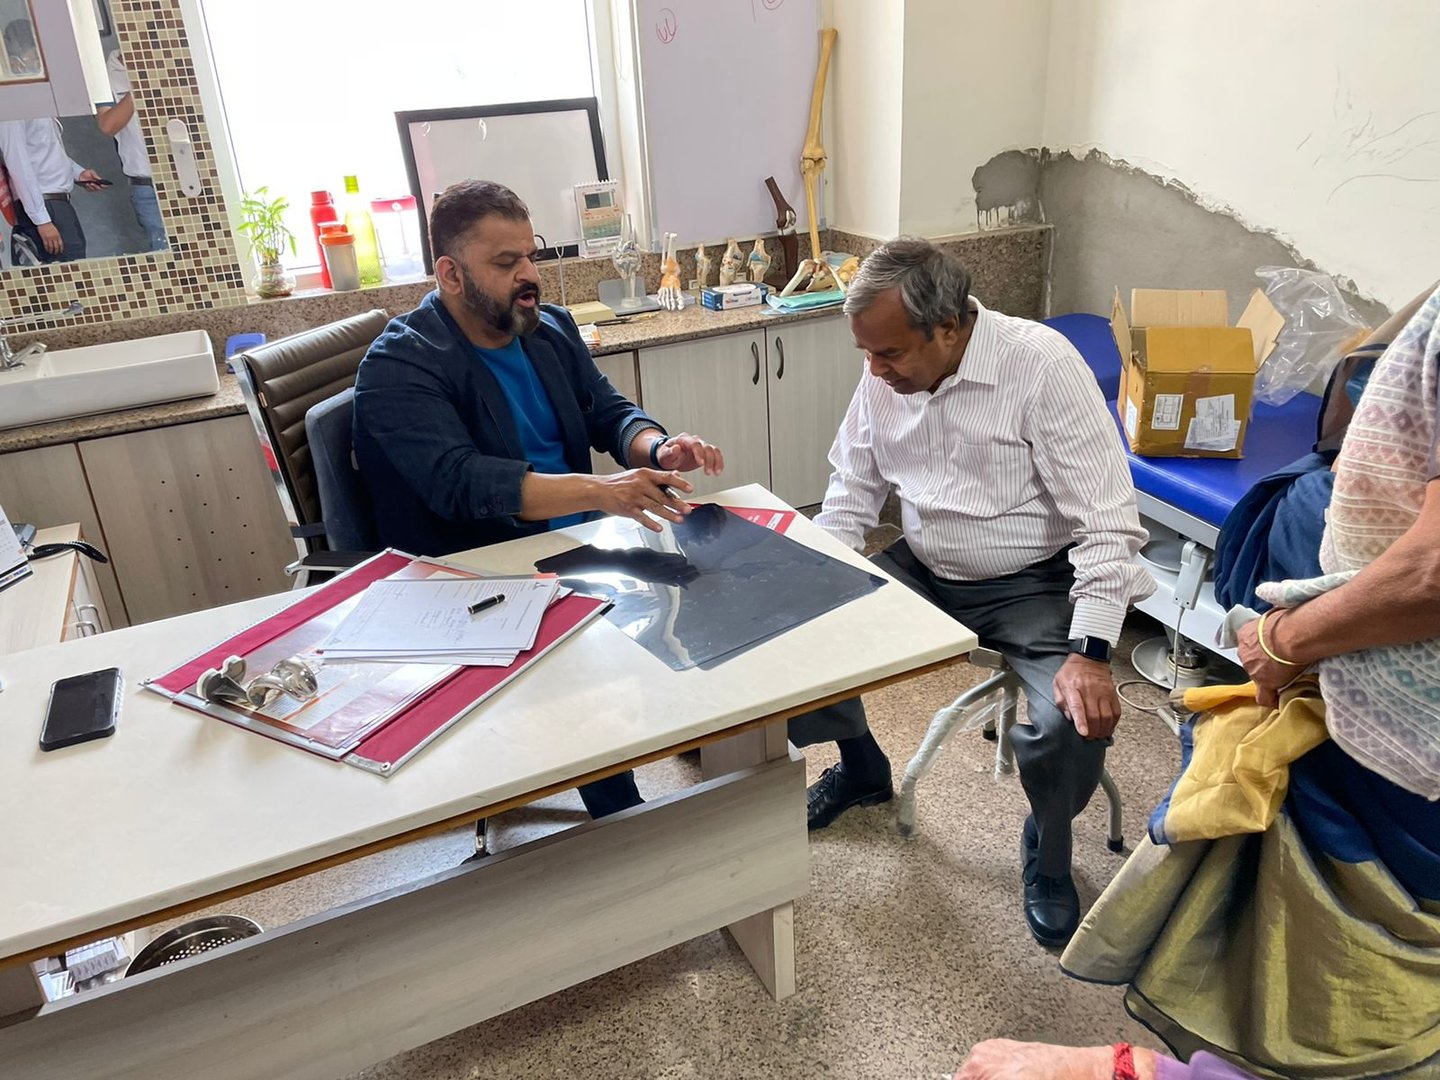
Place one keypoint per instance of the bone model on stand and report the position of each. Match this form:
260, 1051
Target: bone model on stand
816, 274
671, 297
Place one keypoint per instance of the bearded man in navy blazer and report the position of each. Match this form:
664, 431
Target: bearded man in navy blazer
475, 413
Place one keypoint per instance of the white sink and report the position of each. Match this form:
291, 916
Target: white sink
103, 378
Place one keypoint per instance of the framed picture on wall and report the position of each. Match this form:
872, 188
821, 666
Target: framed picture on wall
539, 149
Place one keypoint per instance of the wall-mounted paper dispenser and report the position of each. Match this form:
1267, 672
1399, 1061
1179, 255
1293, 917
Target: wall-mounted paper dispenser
182, 152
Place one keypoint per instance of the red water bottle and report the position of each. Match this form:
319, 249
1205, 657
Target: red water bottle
322, 209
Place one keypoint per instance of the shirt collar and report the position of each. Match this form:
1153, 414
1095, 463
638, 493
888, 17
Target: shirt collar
981, 362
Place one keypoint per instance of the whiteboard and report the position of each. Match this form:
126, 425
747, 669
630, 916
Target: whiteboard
538, 153
726, 91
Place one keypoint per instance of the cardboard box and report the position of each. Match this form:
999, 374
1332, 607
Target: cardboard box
1187, 378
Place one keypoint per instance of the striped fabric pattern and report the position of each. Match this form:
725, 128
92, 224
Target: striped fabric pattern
1010, 459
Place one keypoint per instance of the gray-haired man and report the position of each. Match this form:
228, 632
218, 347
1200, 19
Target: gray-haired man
1019, 519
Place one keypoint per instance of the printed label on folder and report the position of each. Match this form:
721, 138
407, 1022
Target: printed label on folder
1213, 427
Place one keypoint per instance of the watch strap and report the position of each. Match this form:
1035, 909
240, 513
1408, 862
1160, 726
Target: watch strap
1092, 648
655, 450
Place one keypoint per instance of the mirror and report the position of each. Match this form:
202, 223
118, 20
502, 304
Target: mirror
80, 186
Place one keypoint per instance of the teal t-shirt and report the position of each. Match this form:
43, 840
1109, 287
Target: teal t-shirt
534, 415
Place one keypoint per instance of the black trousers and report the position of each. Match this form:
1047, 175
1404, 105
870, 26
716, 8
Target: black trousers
64, 218
1026, 617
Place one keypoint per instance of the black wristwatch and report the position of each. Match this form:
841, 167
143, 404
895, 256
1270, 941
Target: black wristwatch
1092, 648
655, 450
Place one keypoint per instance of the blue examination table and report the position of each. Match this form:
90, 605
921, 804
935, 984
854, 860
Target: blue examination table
1182, 499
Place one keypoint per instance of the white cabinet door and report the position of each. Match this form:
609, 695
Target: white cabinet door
715, 388
814, 367
619, 368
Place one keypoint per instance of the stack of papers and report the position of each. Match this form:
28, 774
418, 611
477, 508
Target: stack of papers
428, 621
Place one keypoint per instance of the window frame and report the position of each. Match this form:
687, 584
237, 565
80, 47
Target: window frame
604, 42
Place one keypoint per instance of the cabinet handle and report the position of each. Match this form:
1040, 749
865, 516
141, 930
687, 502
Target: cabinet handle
87, 625
82, 608
780, 348
755, 352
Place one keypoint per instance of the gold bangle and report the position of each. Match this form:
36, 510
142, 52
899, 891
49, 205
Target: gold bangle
1260, 637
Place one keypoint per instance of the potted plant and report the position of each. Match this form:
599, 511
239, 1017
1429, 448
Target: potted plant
262, 222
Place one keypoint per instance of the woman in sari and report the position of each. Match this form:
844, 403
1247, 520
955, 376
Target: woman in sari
1285, 914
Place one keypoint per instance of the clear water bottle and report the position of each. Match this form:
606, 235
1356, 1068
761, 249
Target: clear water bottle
362, 228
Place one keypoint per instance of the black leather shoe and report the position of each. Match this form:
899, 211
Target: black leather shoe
1029, 849
835, 792
1052, 909
1052, 906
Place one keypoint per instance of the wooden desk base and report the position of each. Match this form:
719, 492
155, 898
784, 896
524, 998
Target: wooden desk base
333, 993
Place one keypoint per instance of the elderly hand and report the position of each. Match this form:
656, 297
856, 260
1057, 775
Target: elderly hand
1001, 1059
684, 453
1270, 676
1085, 692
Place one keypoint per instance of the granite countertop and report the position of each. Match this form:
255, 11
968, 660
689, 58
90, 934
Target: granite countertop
639, 332
671, 327
224, 402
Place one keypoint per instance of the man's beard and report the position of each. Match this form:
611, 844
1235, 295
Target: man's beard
503, 317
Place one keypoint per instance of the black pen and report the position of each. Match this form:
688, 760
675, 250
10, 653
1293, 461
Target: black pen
488, 602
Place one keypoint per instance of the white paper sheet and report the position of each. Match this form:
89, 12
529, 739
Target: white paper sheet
410, 619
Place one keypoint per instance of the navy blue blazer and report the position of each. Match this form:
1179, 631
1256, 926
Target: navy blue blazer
435, 440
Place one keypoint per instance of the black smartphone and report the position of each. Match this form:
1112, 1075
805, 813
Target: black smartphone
82, 707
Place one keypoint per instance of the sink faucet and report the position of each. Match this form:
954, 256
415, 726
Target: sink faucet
12, 358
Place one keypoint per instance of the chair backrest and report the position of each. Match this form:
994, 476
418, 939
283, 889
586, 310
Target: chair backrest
292, 374
349, 520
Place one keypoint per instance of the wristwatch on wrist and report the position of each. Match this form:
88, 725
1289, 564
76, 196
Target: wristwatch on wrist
655, 450
1092, 648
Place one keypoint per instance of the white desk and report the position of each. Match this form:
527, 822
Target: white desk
177, 811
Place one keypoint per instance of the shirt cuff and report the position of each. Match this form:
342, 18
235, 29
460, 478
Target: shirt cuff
632, 431
1097, 618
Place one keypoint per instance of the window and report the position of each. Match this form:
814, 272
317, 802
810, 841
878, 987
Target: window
310, 90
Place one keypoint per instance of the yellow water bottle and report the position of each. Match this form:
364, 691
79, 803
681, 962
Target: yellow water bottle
362, 228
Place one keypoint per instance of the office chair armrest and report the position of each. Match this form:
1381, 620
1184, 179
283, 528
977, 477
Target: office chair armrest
325, 564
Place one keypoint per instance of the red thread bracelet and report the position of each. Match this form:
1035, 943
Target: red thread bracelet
1125, 1062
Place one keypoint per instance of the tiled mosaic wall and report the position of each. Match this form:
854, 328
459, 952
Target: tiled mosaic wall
201, 269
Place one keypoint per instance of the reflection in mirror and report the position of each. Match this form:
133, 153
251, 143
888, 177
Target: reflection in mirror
80, 187
22, 60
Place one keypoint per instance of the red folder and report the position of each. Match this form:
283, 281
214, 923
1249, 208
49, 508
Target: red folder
388, 747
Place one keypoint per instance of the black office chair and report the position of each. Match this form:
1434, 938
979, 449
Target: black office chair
283, 381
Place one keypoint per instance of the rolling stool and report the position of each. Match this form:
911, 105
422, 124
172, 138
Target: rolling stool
1007, 684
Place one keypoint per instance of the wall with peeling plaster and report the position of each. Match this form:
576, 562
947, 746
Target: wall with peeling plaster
974, 77
1118, 226
1313, 120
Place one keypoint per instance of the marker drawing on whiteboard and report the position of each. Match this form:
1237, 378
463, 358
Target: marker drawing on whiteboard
667, 27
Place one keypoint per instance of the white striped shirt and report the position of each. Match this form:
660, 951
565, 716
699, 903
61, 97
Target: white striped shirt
1011, 459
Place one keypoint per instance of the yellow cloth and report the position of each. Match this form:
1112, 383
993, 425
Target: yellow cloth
1239, 768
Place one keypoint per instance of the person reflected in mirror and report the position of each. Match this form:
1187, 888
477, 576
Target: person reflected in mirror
120, 123
42, 175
